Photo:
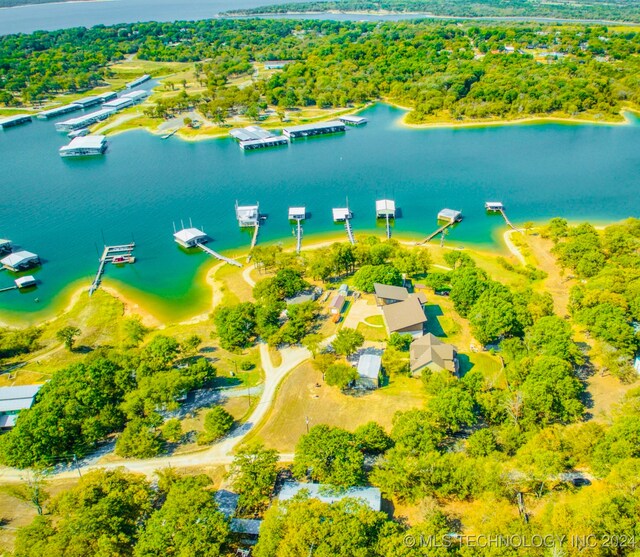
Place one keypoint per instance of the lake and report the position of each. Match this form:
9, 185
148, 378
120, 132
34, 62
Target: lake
65, 209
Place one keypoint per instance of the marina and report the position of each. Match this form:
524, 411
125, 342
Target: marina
17, 120
58, 111
84, 121
255, 137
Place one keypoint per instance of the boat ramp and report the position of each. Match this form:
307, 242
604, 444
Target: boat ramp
112, 254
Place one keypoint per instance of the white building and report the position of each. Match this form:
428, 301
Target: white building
20, 260
369, 366
14, 399
190, 237
85, 146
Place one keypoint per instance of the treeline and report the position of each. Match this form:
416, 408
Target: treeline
625, 10
129, 391
607, 300
440, 70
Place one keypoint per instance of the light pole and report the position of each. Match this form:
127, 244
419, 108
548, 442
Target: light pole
306, 421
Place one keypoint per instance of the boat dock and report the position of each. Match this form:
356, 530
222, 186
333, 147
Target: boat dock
298, 214
449, 215
498, 207
112, 254
347, 226
12, 121
308, 130
344, 214
386, 209
218, 255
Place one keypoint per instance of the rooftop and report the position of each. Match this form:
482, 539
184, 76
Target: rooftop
139, 94
297, 212
118, 103
429, 349
369, 366
369, 495
13, 399
389, 292
14, 118
449, 214
317, 126
352, 119
86, 142
402, 315
250, 133
189, 234
337, 302
386, 205
341, 213
18, 257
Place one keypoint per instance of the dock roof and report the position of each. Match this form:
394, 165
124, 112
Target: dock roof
316, 126
86, 142
22, 282
353, 119
135, 95
369, 495
189, 234
369, 366
18, 257
386, 205
297, 212
14, 118
120, 102
341, 213
389, 292
449, 214
402, 315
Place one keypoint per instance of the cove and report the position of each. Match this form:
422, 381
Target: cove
65, 209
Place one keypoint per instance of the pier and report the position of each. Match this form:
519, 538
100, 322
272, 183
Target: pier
298, 214
449, 215
344, 214
347, 226
498, 207
112, 254
218, 255
386, 209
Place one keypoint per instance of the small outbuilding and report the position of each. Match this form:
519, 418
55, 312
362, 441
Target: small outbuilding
430, 352
337, 304
369, 366
20, 260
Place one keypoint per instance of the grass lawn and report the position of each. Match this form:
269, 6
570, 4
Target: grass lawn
299, 398
234, 288
375, 334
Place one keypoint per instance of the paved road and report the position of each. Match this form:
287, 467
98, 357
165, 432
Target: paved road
220, 453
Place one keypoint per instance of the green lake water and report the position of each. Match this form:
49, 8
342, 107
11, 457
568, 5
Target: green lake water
65, 209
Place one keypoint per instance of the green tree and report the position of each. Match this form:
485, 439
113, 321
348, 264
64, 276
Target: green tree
367, 275
191, 344
217, 423
134, 331
67, 335
347, 341
235, 325
253, 475
340, 375
493, 316
400, 342
395, 362
372, 439
188, 523
453, 408
481, 443
172, 430
329, 455
141, 438
467, 284
312, 343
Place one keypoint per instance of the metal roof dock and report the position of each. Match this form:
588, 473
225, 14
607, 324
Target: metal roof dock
15, 120
25, 282
88, 101
255, 137
297, 213
248, 215
307, 130
59, 111
450, 214
352, 120
20, 260
494, 206
85, 146
341, 214
136, 82
190, 237
385, 207
84, 121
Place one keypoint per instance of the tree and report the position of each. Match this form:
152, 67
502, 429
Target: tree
347, 341
551, 336
134, 331
191, 344
340, 375
140, 439
329, 455
415, 431
400, 342
217, 423
253, 474
286, 283
235, 325
68, 335
160, 352
493, 316
481, 443
467, 284
172, 430
395, 362
99, 516
312, 343
372, 439
32, 490
367, 275
188, 523
452, 408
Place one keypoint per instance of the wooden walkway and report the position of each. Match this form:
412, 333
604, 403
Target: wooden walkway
434, 234
388, 224
8, 288
298, 235
506, 219
218, 255
347, 226
108, 255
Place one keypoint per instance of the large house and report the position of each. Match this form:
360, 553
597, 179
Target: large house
406, 316
430, 352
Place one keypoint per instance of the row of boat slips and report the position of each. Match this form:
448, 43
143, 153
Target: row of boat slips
85, 146
139, 81
77, 105
255, 137
15, 120
108, 108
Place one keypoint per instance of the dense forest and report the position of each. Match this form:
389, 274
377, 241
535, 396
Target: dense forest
443, 71
620, 10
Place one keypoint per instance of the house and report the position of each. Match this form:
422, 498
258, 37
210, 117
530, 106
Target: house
430, 352
406, 317
14, 399
370, 496
388, 294
369, 366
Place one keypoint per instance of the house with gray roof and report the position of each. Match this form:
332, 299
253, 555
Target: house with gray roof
389, 294
406, 317
430, 352
14, 399
369, 366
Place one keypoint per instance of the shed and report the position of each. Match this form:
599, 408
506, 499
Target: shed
20, 260
369, 366
190, 237
370, 496
337, 304
450, 215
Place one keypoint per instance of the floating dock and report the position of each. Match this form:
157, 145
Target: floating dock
255, 137
344, 214
84, 121
22, 282
498, 207
298, 214
85, 146
386, 209
352, 120
139, 81
308, 130
59, 111
196, 238
451, 217
112, 254
16, 120
20, 260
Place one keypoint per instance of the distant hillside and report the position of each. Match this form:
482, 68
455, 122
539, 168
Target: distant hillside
614, 10
10, 3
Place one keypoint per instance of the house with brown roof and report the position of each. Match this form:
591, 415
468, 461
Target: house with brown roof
388, 294
405, 317
430, 352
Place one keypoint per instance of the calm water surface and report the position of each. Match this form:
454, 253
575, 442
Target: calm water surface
65, 209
